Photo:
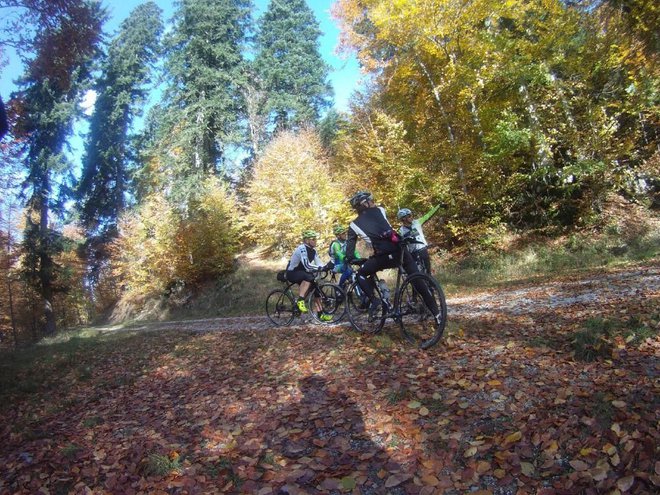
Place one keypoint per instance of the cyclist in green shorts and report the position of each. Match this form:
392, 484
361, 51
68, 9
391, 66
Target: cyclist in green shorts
337, 252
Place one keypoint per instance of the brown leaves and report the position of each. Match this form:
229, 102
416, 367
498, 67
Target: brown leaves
320, 410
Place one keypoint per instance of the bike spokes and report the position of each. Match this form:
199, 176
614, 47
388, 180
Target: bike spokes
365, 316
280, 307
422, 309
327, 304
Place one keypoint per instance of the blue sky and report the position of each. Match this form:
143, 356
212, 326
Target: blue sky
345, 75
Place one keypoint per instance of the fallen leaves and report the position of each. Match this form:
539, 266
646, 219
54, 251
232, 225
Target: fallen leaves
309, 410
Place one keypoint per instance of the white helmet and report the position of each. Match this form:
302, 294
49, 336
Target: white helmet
403, 212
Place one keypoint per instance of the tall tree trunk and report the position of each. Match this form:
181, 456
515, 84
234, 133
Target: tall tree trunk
254, 102
46, 264
450, 130
476, 121
10, 292
542, 155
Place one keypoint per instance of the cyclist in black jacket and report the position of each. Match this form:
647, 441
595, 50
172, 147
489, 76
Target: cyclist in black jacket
372, 226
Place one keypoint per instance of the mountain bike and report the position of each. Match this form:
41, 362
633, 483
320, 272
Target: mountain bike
409, 310
281, 307
418, 260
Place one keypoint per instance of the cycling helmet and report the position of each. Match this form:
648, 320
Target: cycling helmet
339, 229
309, 234
403, 212
360, 198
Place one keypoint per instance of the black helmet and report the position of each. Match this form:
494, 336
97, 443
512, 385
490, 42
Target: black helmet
359, 198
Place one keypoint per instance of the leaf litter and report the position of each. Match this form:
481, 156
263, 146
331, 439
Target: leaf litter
501, 406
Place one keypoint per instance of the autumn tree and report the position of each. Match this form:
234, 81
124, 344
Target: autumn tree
529, 111
291, 190
159, 247
372, 153
49, 92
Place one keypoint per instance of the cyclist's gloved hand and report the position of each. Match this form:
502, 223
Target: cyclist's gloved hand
328, 266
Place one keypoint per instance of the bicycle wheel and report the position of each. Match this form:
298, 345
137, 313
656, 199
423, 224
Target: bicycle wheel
280, 307
363, 318
418, 323
330, 299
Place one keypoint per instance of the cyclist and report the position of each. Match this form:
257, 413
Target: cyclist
304, 263
414, 228
337, 252
372, 226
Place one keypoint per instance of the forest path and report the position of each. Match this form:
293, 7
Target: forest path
525, 304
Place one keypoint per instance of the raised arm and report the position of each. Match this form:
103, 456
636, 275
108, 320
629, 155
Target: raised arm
429, 214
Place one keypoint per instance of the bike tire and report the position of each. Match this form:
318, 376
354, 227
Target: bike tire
280, 308
362, 319
332, 300
418, 324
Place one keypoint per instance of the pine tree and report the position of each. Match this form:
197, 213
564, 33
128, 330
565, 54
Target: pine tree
290, 66
63, 47
121, 92
203, 104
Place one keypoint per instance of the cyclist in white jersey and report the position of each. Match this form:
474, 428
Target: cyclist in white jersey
413, 227
304, 263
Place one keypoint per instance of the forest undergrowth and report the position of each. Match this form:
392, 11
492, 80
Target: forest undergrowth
624, 234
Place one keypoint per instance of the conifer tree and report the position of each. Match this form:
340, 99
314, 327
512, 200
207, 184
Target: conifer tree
65, 43
290, 66
203, 104
121, 93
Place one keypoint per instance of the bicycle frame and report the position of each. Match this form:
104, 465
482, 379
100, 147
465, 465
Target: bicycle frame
282, 309
418, 303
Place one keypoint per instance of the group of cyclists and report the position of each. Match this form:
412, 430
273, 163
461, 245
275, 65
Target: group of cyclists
370, 225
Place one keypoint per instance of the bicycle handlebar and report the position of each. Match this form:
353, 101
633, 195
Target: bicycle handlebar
322, 273
408, 239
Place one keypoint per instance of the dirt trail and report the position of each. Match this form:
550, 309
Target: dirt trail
580, 295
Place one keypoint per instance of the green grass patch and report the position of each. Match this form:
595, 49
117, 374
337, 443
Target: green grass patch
598, 337
162, 465
578, 252
540, 341
382, 342
396, 396
602, 410
71, 450
92, 421
594, 340
436, 405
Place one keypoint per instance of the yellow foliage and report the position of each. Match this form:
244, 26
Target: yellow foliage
374, 155
159, 246
292, 190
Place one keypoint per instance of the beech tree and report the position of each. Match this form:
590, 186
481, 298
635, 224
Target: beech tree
159, 247
292, 190
530, 111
